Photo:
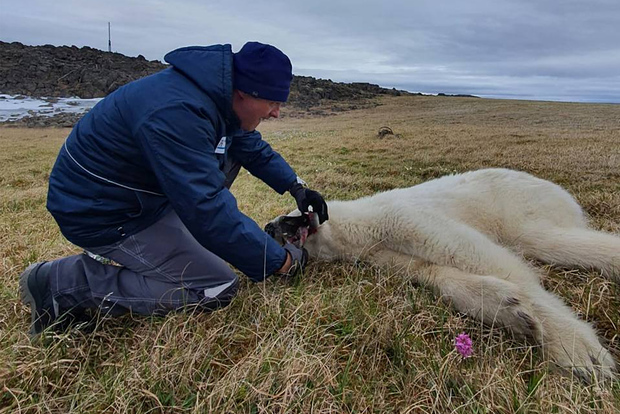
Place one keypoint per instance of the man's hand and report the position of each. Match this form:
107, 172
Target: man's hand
296, 260
306, 198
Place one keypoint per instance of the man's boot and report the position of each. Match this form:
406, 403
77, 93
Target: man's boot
35, 291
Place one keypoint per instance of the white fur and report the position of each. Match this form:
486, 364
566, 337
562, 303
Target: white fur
465, 236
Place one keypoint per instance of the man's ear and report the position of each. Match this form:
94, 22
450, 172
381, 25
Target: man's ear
237, 100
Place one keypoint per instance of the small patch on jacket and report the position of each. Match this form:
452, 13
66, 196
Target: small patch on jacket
221, 147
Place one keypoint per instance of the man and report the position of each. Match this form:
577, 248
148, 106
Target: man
142, 181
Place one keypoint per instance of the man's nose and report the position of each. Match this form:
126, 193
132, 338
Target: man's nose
275, 112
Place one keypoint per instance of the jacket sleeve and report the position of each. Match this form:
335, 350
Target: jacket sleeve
262, 161
179, 142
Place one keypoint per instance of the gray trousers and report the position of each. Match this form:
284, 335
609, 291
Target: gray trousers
163, 269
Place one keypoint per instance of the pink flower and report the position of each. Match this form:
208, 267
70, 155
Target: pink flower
463, 343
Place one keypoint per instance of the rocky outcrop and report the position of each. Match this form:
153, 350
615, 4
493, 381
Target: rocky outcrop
63, 120
90, 73
69, 71
307, 92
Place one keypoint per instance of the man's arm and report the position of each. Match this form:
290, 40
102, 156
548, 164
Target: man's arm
257, 156
262, 161
179, 144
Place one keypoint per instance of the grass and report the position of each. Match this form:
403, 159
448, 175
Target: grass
343, 338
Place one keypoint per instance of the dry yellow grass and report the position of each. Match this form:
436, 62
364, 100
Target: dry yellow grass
343, 338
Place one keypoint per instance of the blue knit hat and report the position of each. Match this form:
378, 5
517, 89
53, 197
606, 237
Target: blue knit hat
262, 71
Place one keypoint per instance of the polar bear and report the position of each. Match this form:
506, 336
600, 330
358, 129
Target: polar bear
467, 236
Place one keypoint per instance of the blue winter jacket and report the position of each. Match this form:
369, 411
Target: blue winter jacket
160, 143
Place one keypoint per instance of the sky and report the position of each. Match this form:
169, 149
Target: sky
557, 50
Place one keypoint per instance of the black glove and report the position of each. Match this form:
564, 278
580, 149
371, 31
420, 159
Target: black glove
306, 197
299, 259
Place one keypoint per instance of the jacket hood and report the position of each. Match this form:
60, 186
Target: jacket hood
209, 67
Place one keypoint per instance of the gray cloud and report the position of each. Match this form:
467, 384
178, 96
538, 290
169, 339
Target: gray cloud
526, 49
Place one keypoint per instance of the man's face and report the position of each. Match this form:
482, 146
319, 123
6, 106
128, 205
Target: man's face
251, 111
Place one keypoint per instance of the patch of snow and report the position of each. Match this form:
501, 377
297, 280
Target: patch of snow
15, 107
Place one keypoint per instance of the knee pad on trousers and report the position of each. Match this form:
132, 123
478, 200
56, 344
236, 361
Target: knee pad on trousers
221, 299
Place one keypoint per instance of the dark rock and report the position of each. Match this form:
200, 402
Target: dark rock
60, 120
69, 71
64, 71
307, 92
458, 95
